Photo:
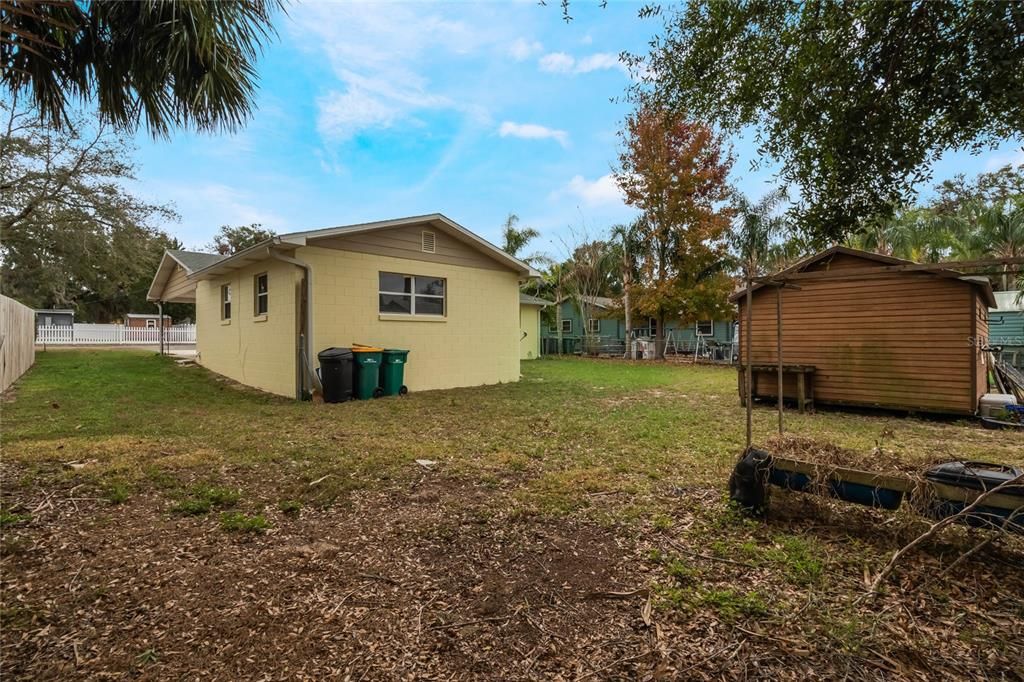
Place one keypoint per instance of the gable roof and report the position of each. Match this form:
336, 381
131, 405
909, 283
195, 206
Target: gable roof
194, 260
598, 301
979, 281
526, 299
199, 266
189, 261
308, 237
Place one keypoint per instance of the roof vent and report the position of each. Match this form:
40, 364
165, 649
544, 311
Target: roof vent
428, 242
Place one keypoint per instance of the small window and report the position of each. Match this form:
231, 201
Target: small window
225, 302
411, 294
262, 295
150, 324
706, 328
567, 326
429, 242
594, 326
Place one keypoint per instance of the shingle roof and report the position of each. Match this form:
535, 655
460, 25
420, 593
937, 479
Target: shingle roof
599, 301
195, 260
532, 300
982, 282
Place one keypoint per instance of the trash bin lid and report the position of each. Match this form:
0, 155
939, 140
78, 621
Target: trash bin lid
975, 475
367, 349
334, 353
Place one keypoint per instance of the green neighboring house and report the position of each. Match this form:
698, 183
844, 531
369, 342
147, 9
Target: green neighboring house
605, 331
1006, 326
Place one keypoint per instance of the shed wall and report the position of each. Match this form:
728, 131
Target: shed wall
899, 342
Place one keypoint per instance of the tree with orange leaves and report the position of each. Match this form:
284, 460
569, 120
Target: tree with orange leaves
676, 173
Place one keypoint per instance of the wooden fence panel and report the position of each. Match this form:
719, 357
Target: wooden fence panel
17, 340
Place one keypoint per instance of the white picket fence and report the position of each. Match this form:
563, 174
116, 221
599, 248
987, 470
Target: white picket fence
113, 335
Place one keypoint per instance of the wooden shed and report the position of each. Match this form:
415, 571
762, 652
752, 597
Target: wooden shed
873, 333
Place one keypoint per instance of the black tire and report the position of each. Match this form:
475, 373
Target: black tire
404, 390
748, 484
378, 392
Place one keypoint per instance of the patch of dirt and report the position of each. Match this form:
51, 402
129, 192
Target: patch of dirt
387, 587
434, 581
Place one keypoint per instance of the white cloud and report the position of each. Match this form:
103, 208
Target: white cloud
601, 60
376, 52
997, 161
522, 49
343, 114
532, 131
600, 192
557, 62
560, 62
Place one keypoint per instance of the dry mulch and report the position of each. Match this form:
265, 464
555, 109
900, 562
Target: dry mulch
421, 581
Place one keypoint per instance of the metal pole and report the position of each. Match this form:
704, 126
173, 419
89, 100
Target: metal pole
749, 374
160, 308
778, 327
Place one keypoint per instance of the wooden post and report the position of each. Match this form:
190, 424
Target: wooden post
748, 372
778, 351
160, 324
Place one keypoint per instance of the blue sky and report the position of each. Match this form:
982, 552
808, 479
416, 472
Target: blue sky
368, 111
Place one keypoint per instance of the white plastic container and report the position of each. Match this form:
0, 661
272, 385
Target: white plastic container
991, 403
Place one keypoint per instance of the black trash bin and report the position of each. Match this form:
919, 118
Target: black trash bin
336, 374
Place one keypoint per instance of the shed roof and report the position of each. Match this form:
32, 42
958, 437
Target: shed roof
980, 281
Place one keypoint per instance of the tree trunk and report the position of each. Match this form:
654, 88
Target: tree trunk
558, 320
626, 283
659, 339
745, 337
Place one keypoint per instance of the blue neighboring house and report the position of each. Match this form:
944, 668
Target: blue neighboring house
605, 330
1006, 326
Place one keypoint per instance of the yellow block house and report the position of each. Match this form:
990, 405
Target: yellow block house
424, 283
529, 325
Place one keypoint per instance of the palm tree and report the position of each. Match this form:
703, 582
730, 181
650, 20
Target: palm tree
627, 241
171, 63
755, 228
999, 234
514, 239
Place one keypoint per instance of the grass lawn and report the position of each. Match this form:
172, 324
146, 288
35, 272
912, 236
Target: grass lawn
159, 520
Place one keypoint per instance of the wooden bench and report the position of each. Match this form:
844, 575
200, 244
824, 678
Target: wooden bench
804, 382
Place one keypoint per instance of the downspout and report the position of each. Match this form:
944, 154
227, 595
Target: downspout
306, 337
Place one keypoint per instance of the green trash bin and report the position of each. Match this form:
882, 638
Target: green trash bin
392, 371
367, 379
